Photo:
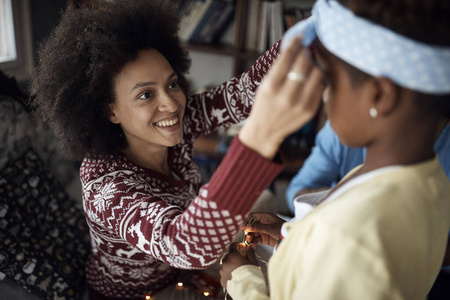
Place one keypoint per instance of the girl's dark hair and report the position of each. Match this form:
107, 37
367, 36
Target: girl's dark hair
73, 83
425, 21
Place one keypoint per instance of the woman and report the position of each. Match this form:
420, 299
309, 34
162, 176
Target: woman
110, 82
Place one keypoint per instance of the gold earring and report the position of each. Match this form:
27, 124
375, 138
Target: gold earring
373, 112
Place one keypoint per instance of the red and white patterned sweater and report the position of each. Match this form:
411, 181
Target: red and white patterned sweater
145, 225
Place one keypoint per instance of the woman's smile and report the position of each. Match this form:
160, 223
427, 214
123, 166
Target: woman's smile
171, 125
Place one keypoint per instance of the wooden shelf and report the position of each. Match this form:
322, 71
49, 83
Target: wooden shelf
225, 50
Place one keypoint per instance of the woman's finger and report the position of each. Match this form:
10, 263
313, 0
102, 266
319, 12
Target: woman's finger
283, 63
298, 73
313, 90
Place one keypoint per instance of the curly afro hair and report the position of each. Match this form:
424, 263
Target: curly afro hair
73, 83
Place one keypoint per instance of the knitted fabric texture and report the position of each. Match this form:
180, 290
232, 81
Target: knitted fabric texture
144, 225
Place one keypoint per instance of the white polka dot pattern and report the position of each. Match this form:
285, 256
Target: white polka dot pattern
376, 50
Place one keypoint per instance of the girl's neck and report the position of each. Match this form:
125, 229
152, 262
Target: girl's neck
407, 145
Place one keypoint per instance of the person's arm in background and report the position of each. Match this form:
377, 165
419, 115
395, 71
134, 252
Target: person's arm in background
328, 162
442, 148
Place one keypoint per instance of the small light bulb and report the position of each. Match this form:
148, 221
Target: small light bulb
148, 297
180, 284
206, 294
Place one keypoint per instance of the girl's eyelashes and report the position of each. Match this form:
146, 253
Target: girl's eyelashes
325, 81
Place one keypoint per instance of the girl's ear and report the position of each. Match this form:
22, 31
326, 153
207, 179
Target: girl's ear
386, 96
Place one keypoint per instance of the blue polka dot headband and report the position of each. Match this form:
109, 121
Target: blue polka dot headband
375, 49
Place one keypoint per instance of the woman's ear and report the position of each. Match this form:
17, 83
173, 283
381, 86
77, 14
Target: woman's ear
112, 116
385, 97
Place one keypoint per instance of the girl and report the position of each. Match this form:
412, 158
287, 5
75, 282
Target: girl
382, 232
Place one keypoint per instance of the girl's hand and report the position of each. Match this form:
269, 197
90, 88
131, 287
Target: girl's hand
283, 103
265, 228
235, 259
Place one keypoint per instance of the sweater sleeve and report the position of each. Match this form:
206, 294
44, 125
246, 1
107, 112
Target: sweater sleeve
229, 103
195, 237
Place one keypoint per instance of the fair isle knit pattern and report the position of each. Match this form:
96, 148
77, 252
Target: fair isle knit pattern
144, 225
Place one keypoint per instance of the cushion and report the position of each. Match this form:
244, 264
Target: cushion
45, 239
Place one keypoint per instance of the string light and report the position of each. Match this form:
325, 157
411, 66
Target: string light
148, 297
206, 294
180, 284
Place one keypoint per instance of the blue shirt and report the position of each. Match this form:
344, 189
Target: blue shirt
330, 161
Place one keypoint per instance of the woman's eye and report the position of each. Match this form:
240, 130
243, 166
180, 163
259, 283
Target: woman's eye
145, 95
173, 85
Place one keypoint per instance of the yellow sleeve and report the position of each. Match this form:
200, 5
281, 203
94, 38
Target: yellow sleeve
247, 282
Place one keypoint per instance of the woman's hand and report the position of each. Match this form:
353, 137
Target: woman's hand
265, 228
239, 255
283, 103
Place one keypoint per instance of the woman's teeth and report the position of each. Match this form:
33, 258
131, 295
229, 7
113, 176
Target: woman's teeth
167, 122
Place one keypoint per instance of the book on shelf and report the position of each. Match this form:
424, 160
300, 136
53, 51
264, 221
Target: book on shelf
240, 25
296, 14
185, 9
252, 25
220, 25
203, 21
276, 29
195, 18
263, 25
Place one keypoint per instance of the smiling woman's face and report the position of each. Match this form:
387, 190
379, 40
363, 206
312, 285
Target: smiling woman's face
149, 104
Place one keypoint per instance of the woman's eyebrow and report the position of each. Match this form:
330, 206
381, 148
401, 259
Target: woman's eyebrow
149, 83
141, 84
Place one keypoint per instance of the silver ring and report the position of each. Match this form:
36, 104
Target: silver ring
223, 257
296, 76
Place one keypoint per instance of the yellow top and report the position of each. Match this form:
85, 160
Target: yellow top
383, 238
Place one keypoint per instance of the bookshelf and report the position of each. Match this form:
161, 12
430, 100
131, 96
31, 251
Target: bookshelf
251, 36
257, 24
203, 22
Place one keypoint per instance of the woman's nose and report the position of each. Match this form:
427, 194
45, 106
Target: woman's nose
167, 103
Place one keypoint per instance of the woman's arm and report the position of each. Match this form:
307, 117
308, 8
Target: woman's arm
191, 238
229, 103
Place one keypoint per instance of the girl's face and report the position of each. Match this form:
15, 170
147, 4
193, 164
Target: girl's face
149, 104
344, 105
